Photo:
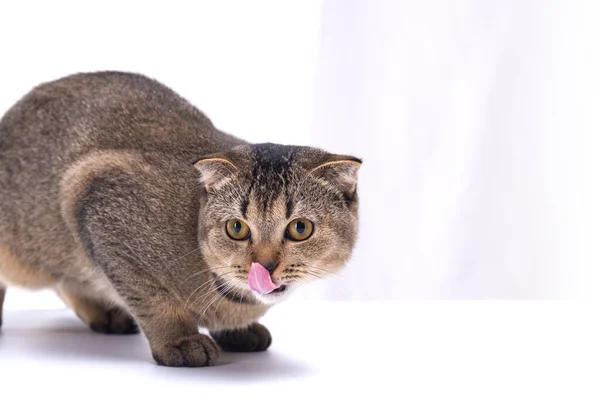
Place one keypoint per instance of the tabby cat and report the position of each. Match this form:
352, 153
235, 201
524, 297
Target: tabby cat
124, 198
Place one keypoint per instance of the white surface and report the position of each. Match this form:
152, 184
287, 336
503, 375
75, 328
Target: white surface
412, 350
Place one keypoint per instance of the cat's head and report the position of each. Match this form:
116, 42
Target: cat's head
289, 212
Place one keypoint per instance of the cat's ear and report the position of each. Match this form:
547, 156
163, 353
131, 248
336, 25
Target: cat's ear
215, 170
340, 171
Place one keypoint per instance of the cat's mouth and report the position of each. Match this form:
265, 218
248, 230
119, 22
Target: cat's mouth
280, 289
261, 283
260, 280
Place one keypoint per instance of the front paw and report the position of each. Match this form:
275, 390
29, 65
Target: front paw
253, 338
191, 351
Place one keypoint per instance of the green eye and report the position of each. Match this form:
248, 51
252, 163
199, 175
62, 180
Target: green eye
237, 229
300, 229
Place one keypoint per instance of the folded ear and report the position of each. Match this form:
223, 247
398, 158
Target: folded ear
341, 171
215, 170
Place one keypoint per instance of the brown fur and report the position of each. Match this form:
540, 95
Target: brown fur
100, 200
21, 274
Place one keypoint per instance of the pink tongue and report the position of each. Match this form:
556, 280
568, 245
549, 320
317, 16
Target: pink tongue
259, 279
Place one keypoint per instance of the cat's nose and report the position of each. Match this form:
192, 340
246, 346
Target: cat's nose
266, 255
270, 266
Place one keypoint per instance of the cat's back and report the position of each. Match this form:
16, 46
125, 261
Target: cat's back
59, 122
106, 110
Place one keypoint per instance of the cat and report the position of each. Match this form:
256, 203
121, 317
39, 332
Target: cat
124, 198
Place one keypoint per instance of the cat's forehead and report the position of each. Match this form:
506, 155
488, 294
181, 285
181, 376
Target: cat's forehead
271, 176
271, 185
274, 201
276, 210
268, 215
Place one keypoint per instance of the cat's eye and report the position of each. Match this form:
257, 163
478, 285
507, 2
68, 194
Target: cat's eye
238, 229
300, 229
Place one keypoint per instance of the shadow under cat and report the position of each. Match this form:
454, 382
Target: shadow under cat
48, 335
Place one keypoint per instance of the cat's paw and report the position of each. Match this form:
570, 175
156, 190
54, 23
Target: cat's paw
253, 338
191, 351
114, 321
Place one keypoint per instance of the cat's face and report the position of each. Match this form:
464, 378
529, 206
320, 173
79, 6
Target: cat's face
292, 209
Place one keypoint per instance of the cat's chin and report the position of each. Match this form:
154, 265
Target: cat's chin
273, 297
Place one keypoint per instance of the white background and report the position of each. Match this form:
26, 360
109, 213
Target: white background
477, 121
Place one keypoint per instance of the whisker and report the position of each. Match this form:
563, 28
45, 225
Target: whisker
204, 285
326, 271
228, 289
340, 289
224, 295
209, 269
210, 281
201, 314
185, 255
239, 294
198, 288
316, 275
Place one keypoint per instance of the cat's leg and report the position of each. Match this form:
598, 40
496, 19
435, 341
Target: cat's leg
128, 231
2, 294
97, 314
160, 313
252, 338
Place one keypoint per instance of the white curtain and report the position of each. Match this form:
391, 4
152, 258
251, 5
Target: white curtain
477, 122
